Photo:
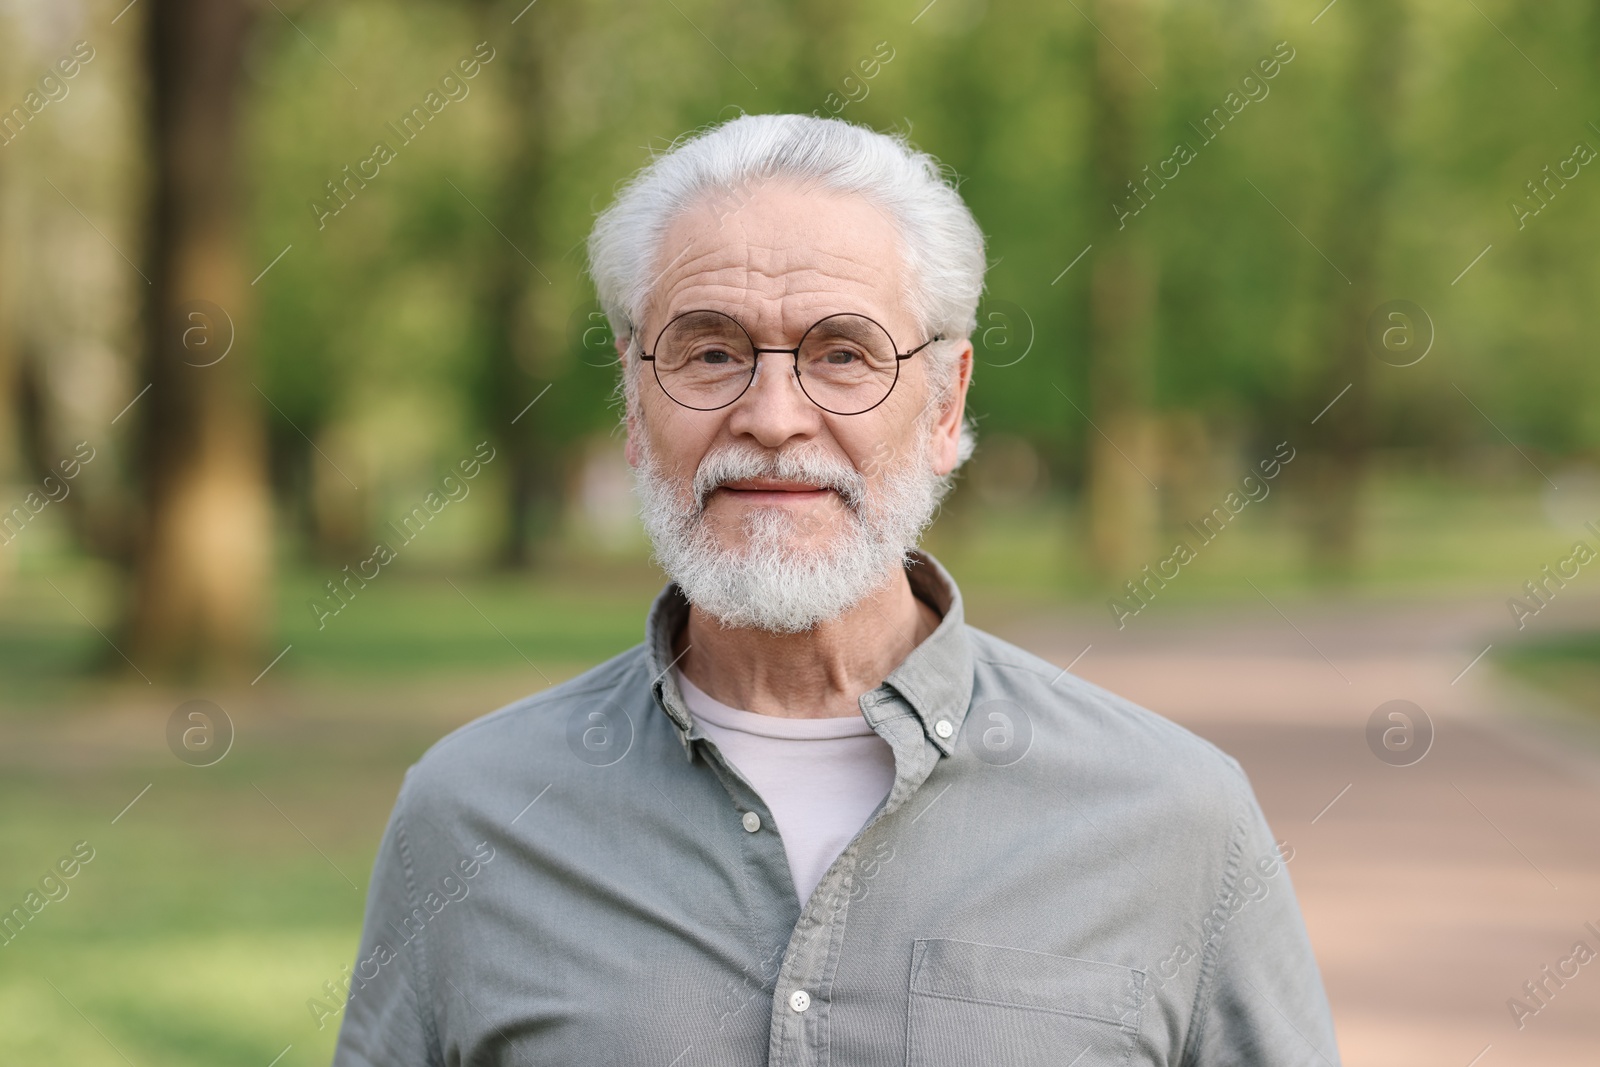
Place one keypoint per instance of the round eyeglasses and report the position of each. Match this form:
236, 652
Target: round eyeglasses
846, 364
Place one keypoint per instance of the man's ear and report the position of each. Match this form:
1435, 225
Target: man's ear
947, 430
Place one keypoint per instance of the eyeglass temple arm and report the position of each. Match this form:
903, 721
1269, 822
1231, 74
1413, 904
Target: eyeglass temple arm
919, 348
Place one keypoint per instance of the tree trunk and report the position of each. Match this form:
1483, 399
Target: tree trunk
520, 348
1342, 441
1122, 504
202, 567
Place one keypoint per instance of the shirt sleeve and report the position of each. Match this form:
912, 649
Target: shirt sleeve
387, 1021
1261, 1002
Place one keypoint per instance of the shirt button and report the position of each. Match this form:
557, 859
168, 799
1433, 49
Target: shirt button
752, 822
943, 728
799, 1000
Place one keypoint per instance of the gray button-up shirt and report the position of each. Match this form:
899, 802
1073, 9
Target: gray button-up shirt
1056, 877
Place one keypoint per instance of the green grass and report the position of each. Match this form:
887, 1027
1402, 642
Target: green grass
401, 624
1421, 535
205, 920
426, 623
1567, 667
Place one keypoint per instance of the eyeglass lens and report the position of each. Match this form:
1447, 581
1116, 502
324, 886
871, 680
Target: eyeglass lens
847, 363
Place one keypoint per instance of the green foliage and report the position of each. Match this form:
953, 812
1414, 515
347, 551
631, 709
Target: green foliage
376, 323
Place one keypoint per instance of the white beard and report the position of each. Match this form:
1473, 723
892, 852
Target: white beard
771, 582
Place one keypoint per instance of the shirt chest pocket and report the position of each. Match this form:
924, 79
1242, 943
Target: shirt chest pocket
1009, 1007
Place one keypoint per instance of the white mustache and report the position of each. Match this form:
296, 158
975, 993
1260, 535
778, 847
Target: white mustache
764, 580
812, 468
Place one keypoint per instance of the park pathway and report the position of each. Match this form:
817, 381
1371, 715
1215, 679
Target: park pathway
1432, 891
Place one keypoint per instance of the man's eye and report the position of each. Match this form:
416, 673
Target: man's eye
840, 357
716, 355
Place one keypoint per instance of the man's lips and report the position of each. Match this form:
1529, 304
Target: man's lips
772, 485
773, 491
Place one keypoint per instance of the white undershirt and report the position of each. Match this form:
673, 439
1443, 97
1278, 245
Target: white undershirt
821, 778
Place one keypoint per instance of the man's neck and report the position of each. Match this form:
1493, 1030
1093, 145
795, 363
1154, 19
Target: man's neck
813, 675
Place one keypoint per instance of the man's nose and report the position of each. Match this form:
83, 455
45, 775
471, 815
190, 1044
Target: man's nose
775, 409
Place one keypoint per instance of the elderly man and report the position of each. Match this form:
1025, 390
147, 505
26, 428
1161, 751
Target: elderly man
815, 818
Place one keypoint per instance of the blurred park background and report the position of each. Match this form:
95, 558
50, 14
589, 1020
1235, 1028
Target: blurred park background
270, 271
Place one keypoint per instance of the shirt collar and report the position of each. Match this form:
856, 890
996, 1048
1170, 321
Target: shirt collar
935, 680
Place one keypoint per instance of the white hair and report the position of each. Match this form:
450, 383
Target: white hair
940, 242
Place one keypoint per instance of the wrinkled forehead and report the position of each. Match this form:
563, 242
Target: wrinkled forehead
778, 258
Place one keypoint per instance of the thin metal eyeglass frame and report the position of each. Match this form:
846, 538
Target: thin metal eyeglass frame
794, 352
